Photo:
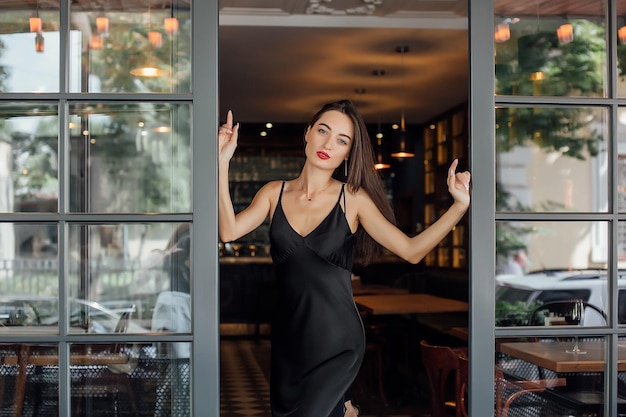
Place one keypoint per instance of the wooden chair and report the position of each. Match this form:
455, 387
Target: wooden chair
463, 392
442, 364
503, 387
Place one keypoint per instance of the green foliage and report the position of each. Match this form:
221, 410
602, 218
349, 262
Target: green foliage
514, 314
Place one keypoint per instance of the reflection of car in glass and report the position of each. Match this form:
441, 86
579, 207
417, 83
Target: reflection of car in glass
541, 287
85, 316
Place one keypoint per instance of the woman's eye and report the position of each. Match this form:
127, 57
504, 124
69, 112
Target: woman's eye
342, 141
321, 130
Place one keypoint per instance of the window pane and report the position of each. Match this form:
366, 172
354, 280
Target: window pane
541, 51
551, 159
563, 261
621, 160
129, 158
620, 6
29, 278
134, 278
542, 376
130, 47
29, 47
28, 157
39, 374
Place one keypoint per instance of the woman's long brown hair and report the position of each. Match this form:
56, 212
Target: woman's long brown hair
361, 174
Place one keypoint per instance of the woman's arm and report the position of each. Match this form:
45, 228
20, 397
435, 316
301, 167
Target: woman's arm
233, 226
416, 248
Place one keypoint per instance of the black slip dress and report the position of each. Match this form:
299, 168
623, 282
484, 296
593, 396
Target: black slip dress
317, 337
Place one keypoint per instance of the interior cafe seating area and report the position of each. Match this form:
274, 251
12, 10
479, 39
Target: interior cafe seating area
117, 297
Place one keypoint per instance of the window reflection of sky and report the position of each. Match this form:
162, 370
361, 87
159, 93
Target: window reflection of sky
31, 71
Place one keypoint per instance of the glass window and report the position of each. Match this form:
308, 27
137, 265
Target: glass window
552, 376
551, 159
122, 47
137, 276
29, 146
542, 50
29, 277
130, 158
30, 47
542, 266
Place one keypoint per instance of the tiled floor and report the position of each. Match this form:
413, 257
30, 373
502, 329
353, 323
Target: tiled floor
245, 388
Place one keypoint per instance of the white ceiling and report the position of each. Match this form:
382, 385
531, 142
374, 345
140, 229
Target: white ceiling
280, 60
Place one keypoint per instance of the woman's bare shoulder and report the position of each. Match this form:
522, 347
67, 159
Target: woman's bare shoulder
360, 195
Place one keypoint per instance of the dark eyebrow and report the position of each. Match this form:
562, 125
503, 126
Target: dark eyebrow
340, 134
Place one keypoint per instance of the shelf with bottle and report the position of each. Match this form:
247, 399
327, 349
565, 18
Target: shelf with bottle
445, 139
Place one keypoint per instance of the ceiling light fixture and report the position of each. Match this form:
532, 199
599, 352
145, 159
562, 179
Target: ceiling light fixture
95, 41
102, 25
402, 136
155, 38
148, 71
502, 32
35, 23
170, 24
380, 155
565, 33
39, 43
621, 34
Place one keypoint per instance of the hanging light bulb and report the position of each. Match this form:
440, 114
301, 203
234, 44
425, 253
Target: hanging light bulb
381, 159
39, 44
402, 152
35, 23
155, 38
95, 41
502, 33
565, 33
381, 163
621, 34
170, 24
102, 25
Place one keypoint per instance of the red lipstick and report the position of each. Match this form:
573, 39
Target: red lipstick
323, 155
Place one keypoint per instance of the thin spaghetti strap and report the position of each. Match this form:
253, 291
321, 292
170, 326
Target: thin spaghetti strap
342, 193
282, 187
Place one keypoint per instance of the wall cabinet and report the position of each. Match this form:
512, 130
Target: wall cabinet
445, 139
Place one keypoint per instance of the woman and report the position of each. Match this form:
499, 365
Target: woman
316, 220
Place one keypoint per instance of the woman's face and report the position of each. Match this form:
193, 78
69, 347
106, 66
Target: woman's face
329, 140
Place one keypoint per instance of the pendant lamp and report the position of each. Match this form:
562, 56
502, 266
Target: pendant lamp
403, 151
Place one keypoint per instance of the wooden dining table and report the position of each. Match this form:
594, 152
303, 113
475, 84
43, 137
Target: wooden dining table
418, 303
554, 356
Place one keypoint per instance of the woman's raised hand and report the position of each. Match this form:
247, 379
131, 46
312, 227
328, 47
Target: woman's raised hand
227, 135
459, 184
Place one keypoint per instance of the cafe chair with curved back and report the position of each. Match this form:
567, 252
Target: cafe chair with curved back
442, 364
509, 390
462, 396
559, 308
112, 382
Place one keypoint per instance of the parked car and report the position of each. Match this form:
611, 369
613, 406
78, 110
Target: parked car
540, 287
85, 316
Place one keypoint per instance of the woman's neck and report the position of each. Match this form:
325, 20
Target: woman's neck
313, 186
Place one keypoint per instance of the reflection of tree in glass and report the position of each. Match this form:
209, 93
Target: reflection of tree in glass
128, 48
143, 172
4, 73
573, 69
35, 167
